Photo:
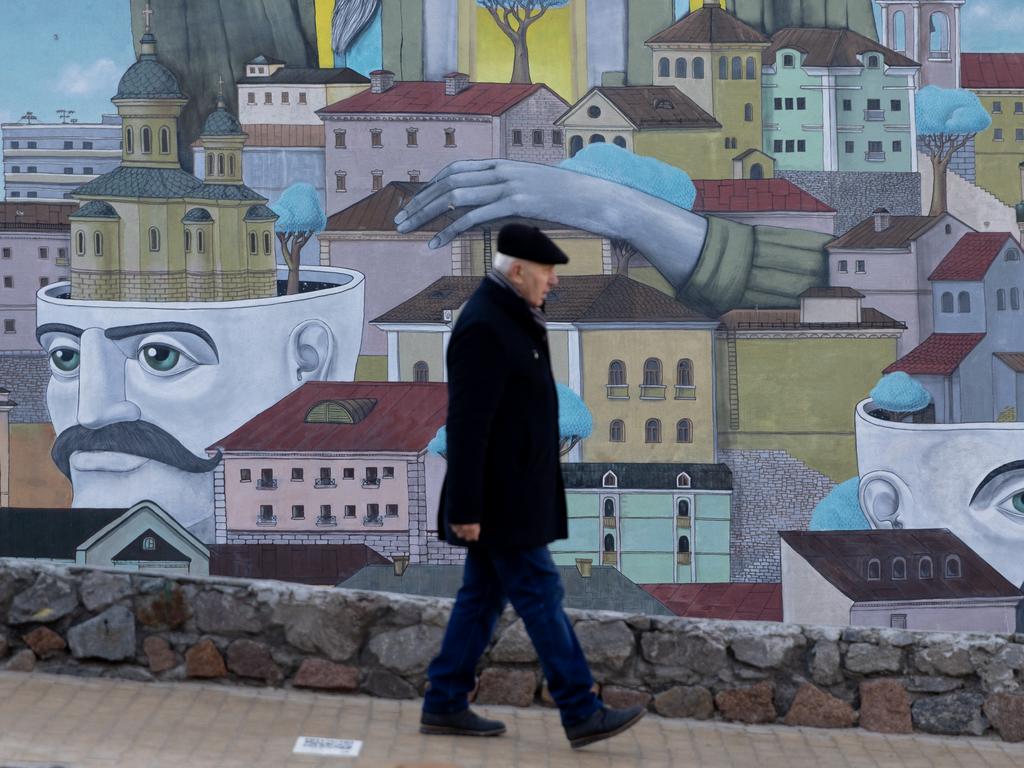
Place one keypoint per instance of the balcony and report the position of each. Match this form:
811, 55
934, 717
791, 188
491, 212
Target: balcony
874, 115
370, 482
617, 391
266, 520
609, 521
652, 391
266, 484
683, 558
875, 157
609, 558
62, 261
686, 392
326, 520
374, 522
325, 482
682, 522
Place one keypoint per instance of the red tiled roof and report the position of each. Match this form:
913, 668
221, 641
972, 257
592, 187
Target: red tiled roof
746, 602
741, 195
992, 70
940, 354
492, 99
405, 418
971, 257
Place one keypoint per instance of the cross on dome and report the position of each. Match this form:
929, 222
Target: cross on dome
147, 13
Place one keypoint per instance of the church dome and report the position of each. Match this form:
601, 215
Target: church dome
148, 79
221, 123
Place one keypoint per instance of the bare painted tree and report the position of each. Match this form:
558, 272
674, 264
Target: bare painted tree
300, 216
947, 120
515, 18
622, 254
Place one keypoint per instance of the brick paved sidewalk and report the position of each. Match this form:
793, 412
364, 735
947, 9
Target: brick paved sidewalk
47, 720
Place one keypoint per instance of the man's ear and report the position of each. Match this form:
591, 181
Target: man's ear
311, 350
885, 499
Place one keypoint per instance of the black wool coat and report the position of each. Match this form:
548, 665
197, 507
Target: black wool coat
502, 430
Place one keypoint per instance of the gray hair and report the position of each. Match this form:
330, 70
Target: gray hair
502, 262
350, 18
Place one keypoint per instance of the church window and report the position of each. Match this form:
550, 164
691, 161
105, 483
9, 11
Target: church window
266, 243
938, 28
737, 68
97, 242
188, 240
147, 140
209, 164
664, 66
748, 113
165, 141
723, 68
681, 68
220, 164
610, 480
683, 480
751, 68
129, 139
200, 241
597, 138
899, 31
684, 544
79, 243
683, 508
698, 68
231, 165
154, 239
252, 244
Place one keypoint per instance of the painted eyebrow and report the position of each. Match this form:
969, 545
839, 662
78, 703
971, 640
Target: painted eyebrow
70, 330
125, 331
1013, 465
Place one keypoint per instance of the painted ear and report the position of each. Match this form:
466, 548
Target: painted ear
884, 498
311, 349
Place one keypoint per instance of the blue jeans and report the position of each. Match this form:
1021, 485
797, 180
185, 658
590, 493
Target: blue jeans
532, 583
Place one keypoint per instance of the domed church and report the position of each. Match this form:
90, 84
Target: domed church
150, 231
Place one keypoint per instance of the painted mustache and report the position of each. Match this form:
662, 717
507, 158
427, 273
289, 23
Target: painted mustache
139, 438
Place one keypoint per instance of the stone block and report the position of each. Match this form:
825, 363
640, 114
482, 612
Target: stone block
408, 650
327, 623
135, 674
1006, 713
388, 686
930, 684
885, 707
952, 714
751, 705
815, 708
944, 660
100, 589
868, 659
22, 661
163, 608
224, 614
826, 663
326, 675
44, 642
159, 654
692, 701
622, 698
204, 660
608, 644
48, 599
4, 647
507, 686
248, 658
766, 651
110, 636
514, 646
674, 651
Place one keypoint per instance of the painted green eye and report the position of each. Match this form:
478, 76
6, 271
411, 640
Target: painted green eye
160, 357
65, 359
1017, 501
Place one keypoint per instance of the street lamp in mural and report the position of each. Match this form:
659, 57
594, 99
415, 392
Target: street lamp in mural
574, 424
300, 217
514, 18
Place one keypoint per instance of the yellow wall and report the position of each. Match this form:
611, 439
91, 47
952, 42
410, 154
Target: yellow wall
702, 154
996, 161
414, 346
698, 4
323, 10
585, 255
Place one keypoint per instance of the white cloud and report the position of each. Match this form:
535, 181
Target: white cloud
1004, 13
77, 80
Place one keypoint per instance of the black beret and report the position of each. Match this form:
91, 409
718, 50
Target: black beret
522, 241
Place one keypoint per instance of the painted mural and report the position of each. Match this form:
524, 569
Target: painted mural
787, 344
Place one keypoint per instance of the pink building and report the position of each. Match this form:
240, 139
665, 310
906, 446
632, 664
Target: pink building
335, 463
408, 131
34, 243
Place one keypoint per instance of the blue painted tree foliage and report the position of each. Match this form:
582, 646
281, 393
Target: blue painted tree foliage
947, 120
300, 217
514, 18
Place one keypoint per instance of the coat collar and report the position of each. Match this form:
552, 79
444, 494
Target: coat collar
513, 305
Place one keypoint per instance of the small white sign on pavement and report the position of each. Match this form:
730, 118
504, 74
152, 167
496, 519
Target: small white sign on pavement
314, 745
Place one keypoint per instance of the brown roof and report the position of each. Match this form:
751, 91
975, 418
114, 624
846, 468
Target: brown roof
640, 105
901, 232
750, 195
709, 25
408, 97
842, 557
789, 319
47, 217
577, 299
268, 135
831, 47
1015, 360
992, 70
402, 417
971, 257
835, 292
733, 601
938, 355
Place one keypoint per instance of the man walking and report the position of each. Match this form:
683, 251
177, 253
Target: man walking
503, 497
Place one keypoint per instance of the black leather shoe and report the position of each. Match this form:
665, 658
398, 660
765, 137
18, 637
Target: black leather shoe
603, 724
464, 723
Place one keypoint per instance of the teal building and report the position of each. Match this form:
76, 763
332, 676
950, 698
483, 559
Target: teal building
656, 523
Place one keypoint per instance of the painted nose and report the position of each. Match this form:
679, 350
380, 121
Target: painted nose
101, 398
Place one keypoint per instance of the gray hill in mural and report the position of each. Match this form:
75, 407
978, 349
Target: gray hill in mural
772, 15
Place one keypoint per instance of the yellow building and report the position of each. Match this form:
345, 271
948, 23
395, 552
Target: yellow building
998, 81
149, 231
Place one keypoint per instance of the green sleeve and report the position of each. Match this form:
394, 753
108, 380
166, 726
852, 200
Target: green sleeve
744, 266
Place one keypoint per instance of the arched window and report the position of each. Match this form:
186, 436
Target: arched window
872, 62
154, 239
616, 374
252, 244
421, 371
231, 165
609, 542
609, 508
80, 243
97, 243
617, 432
188, 240
575, 145
698, 68
200, 242
129, 139
266, 243
209, 164
723, 67
684, 431
947, 303
596, 138
681, 67
683, 508
652, 372
684, 545
751, 68
149, 544
652, 431
953, 567
748, 112
664, 67
924, 568
684, 373
899, 569
147, 140
963, 302
756, 171
1012, 254
874, 569
1001, 299
899, 32
1014, 299
165, 141
610, 480
938, 28
619, 141
682, 480
220, 164
737, 68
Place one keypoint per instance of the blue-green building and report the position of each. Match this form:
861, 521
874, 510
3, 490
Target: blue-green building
656, 523
833, 100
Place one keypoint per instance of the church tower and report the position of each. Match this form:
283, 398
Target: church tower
927, 31
222, 138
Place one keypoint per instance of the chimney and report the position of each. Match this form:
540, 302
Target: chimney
882, 219
381, 80
455, 83
583, 565
401, 562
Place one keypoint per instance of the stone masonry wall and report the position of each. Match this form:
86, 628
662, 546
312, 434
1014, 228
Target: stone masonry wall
772, 492
856, 194
26, 375
148, 627
442, 553
387, 544
538, 112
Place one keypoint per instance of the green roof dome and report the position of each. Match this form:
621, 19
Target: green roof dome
221, 123
148, 79
198, 215
96, 209
259, 213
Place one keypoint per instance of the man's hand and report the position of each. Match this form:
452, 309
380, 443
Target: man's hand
467, 532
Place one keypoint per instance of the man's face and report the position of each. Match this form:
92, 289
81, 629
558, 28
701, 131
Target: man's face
534, 281
968, 478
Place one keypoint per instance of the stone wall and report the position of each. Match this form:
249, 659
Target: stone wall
26, 375
772, 492
856, 194
387, 544
99, 622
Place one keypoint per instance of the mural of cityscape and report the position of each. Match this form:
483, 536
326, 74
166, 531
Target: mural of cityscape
789, 344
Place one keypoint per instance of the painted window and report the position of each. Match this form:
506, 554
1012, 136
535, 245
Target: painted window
874, 569
538, 138
200, 241
652, 431
681, 68
748, 112
756, 171
285, 97
683, 508
789, 60
610, 480
339, 139
517, 138
298, 474
147, 140
898, 621
245, 475
449, 137
684, 373
609, 508
751, 68
220, 164
617, 431
593, 111
997, 134
1001, 299
963, 302
619, 141
924, 568
596, 138
298, 512
97, 243
723, 67
129, 139
79, 245
899, 31
149, 544
664, 67
947, 303
575, 145
251, 99
231, 165
421, 371
899, 569
302, 97
1012, 254
378, 180
165, 141
350, 510
652, 372
698, 68
684, 545
556, 138
872, 62
737, 68
253, 249
938, 28
339, 181
1014, 299
953, 568
390, 510
609, 542
268, 97
154, 239
684, 431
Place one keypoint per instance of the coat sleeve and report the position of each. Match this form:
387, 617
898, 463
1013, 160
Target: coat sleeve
477, 375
